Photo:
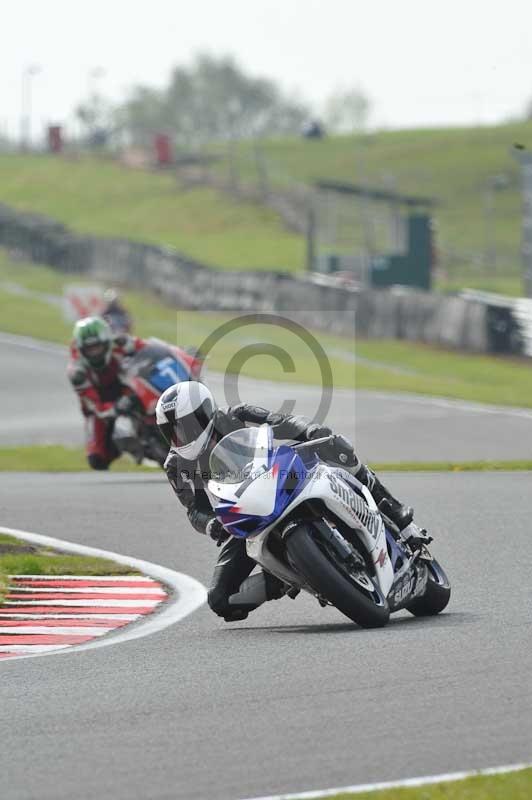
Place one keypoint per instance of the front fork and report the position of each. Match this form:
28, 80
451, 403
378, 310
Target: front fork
410, 573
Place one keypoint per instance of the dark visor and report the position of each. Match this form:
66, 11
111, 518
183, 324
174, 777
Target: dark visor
190, 427
95, 350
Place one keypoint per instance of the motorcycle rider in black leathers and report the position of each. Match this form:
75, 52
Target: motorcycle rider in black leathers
192, 425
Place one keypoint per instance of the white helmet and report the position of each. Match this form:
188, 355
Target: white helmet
185, 416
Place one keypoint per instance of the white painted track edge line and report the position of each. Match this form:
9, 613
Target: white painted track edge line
405, 783
411, 397
40, 345
450, 403
189, 595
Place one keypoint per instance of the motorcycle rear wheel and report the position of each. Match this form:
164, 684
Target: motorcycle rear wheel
329, 580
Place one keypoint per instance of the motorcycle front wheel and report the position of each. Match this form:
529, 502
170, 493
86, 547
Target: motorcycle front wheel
436, 596
313, 558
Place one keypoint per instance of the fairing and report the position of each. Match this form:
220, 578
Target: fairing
155, 368
250, 509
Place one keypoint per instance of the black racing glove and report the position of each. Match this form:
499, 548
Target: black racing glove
216, 531
338, 450
344, 451
317, 431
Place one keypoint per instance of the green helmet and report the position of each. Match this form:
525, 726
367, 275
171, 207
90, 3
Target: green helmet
94, 340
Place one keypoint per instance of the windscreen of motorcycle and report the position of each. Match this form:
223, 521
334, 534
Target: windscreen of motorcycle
240, 455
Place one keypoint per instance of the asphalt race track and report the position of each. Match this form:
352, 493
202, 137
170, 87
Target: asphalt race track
296, 697
38, 406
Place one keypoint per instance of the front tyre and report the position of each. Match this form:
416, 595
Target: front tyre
331, 579
435, 597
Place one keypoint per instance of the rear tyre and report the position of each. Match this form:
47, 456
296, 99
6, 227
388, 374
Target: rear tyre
312, 559
436, 596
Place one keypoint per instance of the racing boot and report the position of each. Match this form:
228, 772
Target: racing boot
399, 514
252, 593
402, 516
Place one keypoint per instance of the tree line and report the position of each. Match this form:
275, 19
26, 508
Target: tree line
214, 99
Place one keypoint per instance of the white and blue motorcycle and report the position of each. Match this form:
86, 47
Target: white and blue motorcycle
311, 525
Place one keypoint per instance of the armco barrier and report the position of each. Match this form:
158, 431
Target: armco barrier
474, 323
508, 321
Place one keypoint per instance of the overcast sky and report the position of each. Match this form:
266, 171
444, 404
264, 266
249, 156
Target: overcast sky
422, 62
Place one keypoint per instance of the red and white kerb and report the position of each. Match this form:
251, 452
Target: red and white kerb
44, 613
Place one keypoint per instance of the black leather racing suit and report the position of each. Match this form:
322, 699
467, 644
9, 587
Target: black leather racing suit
188, 480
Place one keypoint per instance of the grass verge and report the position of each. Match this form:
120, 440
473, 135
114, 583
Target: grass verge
512, 786
384, 365
517, 465
103, 198
18, 557
55, 458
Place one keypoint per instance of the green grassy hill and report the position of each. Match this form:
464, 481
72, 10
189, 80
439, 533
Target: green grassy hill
107, 199
452, 165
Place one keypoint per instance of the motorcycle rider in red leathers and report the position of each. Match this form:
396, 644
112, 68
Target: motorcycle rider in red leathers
95, 374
